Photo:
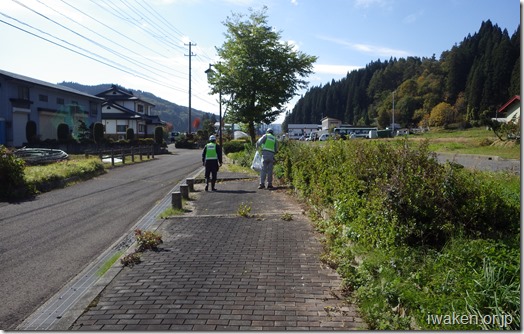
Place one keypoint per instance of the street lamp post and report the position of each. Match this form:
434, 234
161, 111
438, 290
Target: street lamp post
210, 73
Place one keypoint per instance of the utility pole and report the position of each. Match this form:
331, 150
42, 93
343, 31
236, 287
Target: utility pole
393, 134
191, 54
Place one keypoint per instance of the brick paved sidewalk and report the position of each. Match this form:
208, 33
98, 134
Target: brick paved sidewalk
227, 272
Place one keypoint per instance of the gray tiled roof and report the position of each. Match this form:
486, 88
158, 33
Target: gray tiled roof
45, 84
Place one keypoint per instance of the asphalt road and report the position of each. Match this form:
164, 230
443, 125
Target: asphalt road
482, 162
46, 242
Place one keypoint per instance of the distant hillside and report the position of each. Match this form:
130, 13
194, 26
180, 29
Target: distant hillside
168, 111
469, 82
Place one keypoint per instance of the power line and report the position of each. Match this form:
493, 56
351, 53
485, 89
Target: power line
116, 31
104, 61
150, 33
128, 13
139, 64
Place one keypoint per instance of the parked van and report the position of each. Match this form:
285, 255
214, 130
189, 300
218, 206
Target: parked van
312, 136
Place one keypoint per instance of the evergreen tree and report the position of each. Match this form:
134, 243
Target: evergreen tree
480, 73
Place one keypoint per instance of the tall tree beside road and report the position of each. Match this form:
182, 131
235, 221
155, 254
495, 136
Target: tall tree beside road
258, 72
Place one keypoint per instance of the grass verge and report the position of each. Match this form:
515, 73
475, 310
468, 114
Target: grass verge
105, 267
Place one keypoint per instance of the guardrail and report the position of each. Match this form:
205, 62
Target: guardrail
122, 153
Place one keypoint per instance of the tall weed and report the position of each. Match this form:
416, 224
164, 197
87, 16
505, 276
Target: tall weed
409, 235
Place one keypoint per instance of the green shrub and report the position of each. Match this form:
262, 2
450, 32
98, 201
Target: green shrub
62, 132
30, 132
388, 194
147, 240
412, 237
146, 141
234, 146
48, 177
98, 133
130, 134
12, 180
159, 135
244, 157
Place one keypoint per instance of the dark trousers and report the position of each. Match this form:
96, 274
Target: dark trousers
211, 170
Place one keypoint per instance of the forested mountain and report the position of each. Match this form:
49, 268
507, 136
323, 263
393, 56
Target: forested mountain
167, 111
476, 76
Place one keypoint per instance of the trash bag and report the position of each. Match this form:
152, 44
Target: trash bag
257, 162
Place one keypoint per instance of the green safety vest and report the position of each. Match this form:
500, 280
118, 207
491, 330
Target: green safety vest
211, 151
269, 144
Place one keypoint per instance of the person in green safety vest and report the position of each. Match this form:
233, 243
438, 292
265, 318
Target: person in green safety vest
269, 145
212, 160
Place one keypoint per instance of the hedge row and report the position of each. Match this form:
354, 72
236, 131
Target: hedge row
398, 194
412, 238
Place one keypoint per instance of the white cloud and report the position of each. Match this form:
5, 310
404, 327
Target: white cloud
334, 69
295, 44
374, 50
413, 17
380, 50
294, 2
369, 3
242, 3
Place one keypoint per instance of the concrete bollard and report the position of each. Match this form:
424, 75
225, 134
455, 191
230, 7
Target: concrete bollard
176, 200
184, 190
191, 184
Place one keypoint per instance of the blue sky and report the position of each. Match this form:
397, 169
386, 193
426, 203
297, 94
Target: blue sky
142, 44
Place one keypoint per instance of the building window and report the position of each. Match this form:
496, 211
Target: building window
74, 107
93, 109
60, 101
43, 98
121, 128
140, 108
23, 92
141, 128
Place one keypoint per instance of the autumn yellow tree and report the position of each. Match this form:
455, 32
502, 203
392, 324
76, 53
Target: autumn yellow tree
441, 114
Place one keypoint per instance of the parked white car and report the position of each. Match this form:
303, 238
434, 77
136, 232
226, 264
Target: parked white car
324, 136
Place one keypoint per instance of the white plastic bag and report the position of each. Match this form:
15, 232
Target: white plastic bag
257, 162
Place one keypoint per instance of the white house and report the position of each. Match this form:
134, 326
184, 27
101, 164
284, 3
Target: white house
122, 110
510, 111
24, 99
330, 123
297, 130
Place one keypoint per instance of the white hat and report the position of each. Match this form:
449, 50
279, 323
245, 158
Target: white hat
212, 138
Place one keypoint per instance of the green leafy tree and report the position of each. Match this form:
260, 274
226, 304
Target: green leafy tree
258, 71
84, 133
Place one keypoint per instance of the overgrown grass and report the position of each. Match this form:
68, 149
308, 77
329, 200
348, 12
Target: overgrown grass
105, 267
77, 168
470, 141
413, 239
53, 175
171, 212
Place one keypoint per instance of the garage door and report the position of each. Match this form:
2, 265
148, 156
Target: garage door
49, 124
20, 118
